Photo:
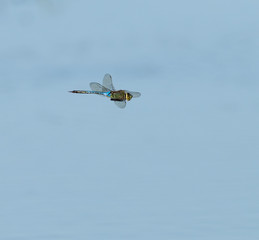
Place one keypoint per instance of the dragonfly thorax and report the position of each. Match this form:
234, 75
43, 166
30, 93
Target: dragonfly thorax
120, 95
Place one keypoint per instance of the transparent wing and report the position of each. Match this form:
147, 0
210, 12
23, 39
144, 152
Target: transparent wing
107, 82
134, 94
98, 87
120, 104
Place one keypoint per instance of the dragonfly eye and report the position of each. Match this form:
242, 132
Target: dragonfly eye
128, 96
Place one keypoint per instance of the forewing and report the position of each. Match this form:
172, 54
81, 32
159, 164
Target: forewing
120, 104
134, 94
98, 87
107, 82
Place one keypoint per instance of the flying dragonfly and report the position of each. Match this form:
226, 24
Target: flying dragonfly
107, 89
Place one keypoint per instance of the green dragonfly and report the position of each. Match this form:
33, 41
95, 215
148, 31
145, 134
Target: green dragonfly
107, 89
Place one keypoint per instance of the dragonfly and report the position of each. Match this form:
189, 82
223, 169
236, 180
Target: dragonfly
120, 97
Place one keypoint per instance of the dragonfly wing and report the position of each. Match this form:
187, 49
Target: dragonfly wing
134, 94
107, 82
98, 87
120, 104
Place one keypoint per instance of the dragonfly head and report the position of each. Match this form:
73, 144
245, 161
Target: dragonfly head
128, 96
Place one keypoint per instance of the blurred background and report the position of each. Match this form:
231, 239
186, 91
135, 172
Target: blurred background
181, 162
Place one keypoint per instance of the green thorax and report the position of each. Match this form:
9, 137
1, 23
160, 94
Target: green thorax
118, 95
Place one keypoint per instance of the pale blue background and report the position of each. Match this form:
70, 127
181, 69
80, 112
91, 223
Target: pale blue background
181, 162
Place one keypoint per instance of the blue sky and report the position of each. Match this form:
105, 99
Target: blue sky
181, 162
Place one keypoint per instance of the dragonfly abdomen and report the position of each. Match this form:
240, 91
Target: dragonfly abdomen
91, 92
79, 91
